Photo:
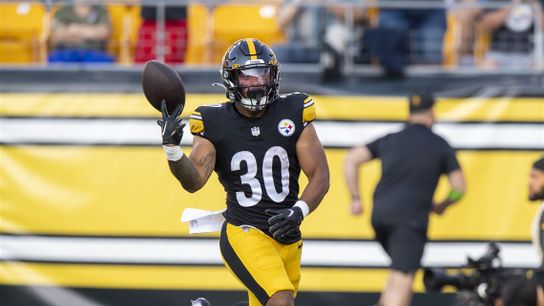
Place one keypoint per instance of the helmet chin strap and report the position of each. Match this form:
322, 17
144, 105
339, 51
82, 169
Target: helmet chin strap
256, 99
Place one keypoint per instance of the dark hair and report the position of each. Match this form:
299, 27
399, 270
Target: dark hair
539, 164
519, 292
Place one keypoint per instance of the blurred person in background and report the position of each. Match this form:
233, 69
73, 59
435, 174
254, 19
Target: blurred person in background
407, 36
511, 34
529, 292
303, 22
316, 32
520, 292
412, 162
338, 37
467, 19
536, 193
258, 143
80, 33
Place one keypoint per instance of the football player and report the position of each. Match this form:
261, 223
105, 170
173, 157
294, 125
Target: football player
257, 143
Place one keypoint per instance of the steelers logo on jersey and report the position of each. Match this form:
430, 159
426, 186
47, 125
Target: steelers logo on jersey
286, 127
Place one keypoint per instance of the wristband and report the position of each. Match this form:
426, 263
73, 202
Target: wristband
173, 153
455, 195
303, 206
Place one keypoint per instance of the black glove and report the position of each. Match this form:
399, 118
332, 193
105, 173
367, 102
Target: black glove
284, 221
171, 126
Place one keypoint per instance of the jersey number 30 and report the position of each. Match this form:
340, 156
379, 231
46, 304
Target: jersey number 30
268, 177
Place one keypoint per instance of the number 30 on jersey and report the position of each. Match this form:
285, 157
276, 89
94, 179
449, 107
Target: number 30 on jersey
268, 177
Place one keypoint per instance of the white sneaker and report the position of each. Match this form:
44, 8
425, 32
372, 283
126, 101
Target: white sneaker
200, 302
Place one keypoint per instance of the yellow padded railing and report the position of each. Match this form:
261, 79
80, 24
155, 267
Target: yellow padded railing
23, 32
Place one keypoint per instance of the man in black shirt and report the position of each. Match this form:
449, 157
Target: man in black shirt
412, 162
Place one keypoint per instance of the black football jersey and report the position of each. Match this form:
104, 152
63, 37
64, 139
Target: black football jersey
256, 158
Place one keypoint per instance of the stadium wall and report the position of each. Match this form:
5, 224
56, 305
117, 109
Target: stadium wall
89, 210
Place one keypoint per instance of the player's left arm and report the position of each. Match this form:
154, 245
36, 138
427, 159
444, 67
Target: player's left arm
457, 182
312, 160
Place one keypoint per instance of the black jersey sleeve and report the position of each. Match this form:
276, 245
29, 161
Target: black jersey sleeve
449, 161
375, 147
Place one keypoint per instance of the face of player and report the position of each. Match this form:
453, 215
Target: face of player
536, 185
253, 82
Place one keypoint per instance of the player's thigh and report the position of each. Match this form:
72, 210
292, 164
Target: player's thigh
406, 245
256, 260
291, 258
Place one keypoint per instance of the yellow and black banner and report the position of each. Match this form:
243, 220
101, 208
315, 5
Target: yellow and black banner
88, 202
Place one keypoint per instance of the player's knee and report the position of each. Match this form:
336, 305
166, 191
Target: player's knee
281, 298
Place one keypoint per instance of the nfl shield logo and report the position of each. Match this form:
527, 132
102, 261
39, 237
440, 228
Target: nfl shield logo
255, 131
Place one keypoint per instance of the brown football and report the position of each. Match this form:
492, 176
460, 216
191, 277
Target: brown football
161, 82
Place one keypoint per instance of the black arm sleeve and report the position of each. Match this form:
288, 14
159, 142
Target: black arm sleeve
449, 162
375, 146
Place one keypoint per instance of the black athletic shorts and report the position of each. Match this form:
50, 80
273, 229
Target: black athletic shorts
403, 243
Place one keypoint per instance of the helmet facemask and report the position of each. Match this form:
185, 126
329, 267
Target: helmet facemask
253, 87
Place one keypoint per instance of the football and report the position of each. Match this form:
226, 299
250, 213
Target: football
161, 82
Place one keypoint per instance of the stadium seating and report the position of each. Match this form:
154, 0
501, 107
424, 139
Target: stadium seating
208, 32
23, 33
234, 21
482, 42
175, 41
199, 39
451, 41
174, 44
125, 21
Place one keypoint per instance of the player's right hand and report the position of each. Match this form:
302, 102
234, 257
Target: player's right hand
284, 221
171, 125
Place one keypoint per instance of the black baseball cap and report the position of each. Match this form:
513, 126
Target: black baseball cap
539, 164
420, 101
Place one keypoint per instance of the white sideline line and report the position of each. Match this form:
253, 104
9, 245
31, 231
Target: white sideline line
206, 251
331, 133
